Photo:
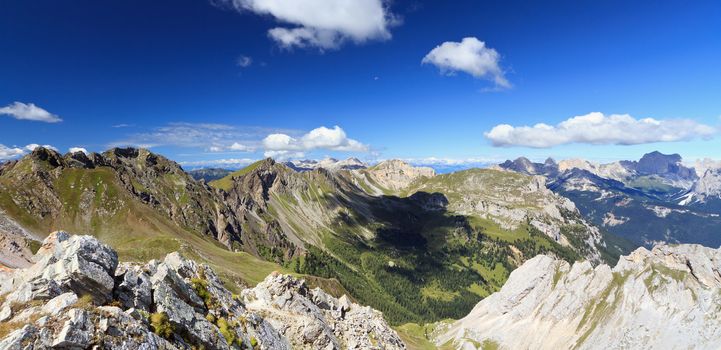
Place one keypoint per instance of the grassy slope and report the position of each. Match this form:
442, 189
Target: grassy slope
94, 202
226, 182
417, 265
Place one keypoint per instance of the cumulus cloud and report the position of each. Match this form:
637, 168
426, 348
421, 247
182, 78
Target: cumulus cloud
208, 136
244, 61
335, 139
8, 153
223, 163
598, 129
325, 24
471, 56
234, 147
441, 161
29, 111
78, 149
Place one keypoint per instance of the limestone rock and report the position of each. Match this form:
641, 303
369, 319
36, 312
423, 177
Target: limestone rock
666, 298
396, 174
65, 263
191, 307
312, 319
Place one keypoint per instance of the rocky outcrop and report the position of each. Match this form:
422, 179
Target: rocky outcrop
708, 186
321, 321
77, 296
666, 298
396, 174
15, 241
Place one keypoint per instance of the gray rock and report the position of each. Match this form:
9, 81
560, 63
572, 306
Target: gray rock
288, 315
65, 263
59, 303
313, 319
76, 332
133, 287
19, 339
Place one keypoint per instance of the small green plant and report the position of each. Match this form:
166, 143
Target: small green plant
226, 330
161, 325
210, 318
253, 342
200, 286
85, 302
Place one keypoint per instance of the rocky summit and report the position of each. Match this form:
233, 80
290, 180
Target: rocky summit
76, 295
665, 298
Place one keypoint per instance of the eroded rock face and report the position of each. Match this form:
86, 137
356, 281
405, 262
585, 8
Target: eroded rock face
76, 296
667, 298
320, 321
397, 174
64, 263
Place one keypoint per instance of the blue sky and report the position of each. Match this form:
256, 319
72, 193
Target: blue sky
206, 82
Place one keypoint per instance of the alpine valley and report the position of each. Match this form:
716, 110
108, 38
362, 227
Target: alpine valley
338, 254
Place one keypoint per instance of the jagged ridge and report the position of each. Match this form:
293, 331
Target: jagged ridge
666, 298
77, 296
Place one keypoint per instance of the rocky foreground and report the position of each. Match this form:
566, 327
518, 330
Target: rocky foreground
76, 296
667, 298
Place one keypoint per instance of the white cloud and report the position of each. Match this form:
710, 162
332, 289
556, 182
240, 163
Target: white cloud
284, 155
78, 149
207, 136
7, 153
598, 129
30, 111
224, 163
434, 161
335, 139
325, 24
471, 56
244, 61
235, 147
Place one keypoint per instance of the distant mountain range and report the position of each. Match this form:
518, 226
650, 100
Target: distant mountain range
654, 199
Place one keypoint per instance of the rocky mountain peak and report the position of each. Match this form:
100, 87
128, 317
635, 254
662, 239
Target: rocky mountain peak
396, 174
520, 164
657, 163
48, 155
524, 165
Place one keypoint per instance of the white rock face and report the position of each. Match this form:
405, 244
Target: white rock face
45, 306
667, 298
396, 174
709, 185
317, 320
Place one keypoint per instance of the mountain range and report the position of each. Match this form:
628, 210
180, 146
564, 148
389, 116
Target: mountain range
419, 247
655, 199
